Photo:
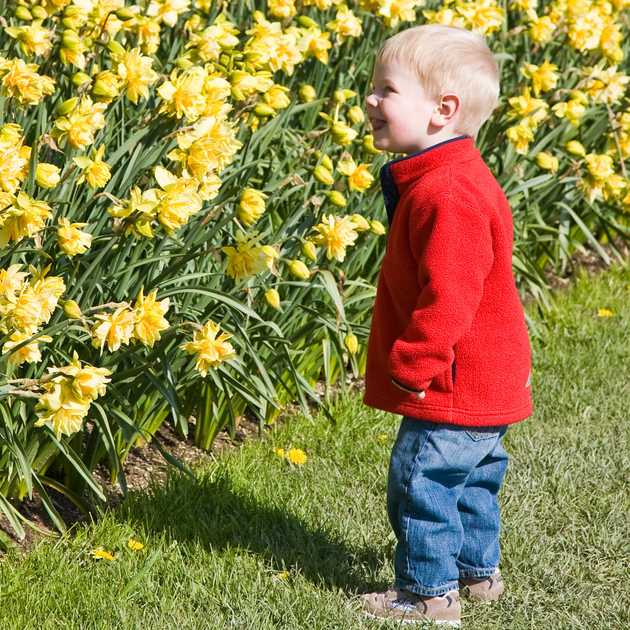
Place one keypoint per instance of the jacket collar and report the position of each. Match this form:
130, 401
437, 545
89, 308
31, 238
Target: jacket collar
398, 175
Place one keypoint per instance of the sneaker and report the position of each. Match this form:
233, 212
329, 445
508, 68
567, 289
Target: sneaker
406, 607
482, 589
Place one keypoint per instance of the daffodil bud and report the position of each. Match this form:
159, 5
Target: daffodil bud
298, 269
262, 109
307, 22
336, 198
368, 144
547, 161
184, 62
356, 115
66, 106
115, 48
351, 342
80, 78
325, 160
72, 310
377, 227
126, 13
580, 96
22, 13
71, 40
360, 222
343, 94
323, 175
193, 23
309, 250
338, 96
106, 84
39, 12
576, 148
342, 134
307, 93
73, 17
273, 298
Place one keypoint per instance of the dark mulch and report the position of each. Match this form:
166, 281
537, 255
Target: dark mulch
146, 464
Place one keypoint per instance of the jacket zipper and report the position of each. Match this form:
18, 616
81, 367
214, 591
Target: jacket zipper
453, 371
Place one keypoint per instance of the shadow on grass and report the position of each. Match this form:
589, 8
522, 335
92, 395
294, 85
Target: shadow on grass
213, 513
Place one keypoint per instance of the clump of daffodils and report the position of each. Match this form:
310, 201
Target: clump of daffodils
69, 391
14, 161
25, 306
21, 217
171, 205
143, 322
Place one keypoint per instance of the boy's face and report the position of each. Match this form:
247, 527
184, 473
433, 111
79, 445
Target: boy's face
403, 118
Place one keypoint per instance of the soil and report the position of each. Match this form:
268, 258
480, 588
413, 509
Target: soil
145, 464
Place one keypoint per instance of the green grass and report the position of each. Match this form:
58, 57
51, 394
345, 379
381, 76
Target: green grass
215, 548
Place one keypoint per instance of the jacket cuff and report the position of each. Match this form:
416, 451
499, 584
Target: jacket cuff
408, 388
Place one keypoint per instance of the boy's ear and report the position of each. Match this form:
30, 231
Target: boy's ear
448, 107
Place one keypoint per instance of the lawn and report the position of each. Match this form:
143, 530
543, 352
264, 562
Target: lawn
258, 543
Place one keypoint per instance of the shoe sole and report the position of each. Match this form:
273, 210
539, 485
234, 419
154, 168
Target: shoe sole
423, 622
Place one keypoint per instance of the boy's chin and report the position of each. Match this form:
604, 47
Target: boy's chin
384, 144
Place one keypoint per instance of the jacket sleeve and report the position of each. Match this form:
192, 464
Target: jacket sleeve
452, 246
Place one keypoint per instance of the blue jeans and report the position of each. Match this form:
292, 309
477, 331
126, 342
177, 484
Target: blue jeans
442, 503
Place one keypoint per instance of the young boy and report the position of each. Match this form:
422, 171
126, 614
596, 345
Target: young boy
449, 347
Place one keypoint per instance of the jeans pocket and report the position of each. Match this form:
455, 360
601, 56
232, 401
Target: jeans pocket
484, 435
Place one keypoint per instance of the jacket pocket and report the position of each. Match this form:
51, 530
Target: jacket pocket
444, 382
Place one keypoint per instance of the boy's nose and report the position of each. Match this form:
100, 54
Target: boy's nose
371, 100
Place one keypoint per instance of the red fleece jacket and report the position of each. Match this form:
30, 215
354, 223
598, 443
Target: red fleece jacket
448, 317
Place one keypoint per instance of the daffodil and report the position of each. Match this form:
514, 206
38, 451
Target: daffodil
85, 381
47, 175
182, 95
95, 172
359, 176
77, 127
178, 199
101, 554
29, 353
61, 409
34, 38
150, 319
23, 217
296, 456
134, 545
248, 258
251, 205
210, 347
335, 234
136, 73
114, 329
72, 240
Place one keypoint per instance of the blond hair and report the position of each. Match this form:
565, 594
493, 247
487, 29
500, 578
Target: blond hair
449, 59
